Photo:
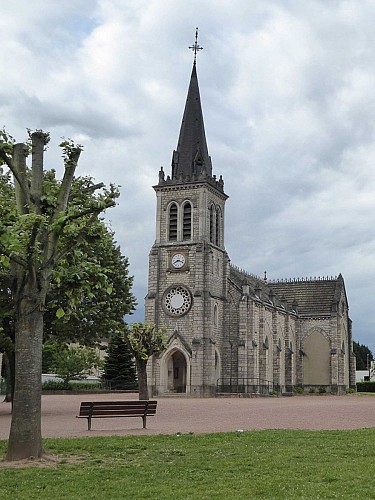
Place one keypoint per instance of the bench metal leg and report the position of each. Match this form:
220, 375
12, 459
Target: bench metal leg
89, 423
144, 421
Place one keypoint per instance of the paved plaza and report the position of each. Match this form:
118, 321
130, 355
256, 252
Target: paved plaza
181, 414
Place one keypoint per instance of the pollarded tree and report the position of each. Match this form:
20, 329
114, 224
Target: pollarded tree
119, 368
144, 341
31, 245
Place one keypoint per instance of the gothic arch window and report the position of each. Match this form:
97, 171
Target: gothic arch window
279, 345
173, 218
266, 343
186, 221
215, 315
212, 223
218, 227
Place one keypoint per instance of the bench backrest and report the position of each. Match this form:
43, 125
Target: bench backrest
120, 408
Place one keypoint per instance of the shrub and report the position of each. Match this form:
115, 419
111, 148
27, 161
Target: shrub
272, 393
350, 390
85, 386
322, 390
298, 390
56, 385
366, 386
312, 390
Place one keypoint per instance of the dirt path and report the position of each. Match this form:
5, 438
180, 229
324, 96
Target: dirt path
178, 414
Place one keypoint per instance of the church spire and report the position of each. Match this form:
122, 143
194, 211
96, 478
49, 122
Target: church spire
191, 159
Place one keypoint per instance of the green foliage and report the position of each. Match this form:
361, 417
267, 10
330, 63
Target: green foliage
6, 145
312, 390
322, 390
75, 362
363, 356
90, 292
145, 340
298, 390
272, 464
119, 368
368, 386
50, 350
57, 385
350, 390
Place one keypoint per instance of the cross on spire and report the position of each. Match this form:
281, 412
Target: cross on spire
195, 47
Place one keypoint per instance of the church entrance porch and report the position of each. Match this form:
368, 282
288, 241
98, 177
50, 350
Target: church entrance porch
175, 372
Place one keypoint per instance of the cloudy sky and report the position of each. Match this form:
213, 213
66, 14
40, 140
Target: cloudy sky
288, 95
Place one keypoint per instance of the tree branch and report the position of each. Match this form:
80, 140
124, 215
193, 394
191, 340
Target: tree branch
81, 235
89, 189
14, 258
38, 139
18, 175
70, 167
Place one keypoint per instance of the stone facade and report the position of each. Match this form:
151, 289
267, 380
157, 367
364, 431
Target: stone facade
228, 330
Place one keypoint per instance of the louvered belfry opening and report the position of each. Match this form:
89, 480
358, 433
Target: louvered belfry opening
173, 212
186, 230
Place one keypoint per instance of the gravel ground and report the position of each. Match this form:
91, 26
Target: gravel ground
181, 414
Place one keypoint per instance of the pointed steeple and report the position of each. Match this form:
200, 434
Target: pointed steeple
191, 159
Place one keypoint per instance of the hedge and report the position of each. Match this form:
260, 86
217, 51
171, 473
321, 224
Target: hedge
366, 386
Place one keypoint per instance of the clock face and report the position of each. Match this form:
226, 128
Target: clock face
177, 300
178, 260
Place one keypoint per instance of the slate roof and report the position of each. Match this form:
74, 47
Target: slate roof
314, 297
192, 152
309, 297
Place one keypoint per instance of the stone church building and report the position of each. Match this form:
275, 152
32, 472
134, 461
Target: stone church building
228, 330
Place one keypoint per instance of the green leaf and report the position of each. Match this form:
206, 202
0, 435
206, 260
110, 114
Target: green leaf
60, 313
5, 261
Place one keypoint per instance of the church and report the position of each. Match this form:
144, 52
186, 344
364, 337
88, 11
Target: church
229, 331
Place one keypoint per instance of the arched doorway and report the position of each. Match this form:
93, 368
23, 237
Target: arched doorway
176, 366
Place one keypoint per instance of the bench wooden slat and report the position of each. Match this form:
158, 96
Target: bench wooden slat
109, 409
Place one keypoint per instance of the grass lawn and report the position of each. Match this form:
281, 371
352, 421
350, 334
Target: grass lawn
252, 464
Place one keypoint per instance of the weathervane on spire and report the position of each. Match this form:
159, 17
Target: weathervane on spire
195, 47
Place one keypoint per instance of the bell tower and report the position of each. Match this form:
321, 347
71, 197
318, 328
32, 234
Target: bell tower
188, 264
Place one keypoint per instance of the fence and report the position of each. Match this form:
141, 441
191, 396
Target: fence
246, 386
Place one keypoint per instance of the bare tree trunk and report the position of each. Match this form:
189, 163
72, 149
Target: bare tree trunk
142, 378
25, 438
8, 362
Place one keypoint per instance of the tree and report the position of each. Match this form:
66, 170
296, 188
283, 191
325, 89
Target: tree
32, 241
119, 368
75, 362
363, 356
86, 302
144, 341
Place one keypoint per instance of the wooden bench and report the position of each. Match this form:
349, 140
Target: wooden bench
110, 409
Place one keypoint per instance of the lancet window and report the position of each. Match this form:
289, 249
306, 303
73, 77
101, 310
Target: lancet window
186, 221
173, 219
